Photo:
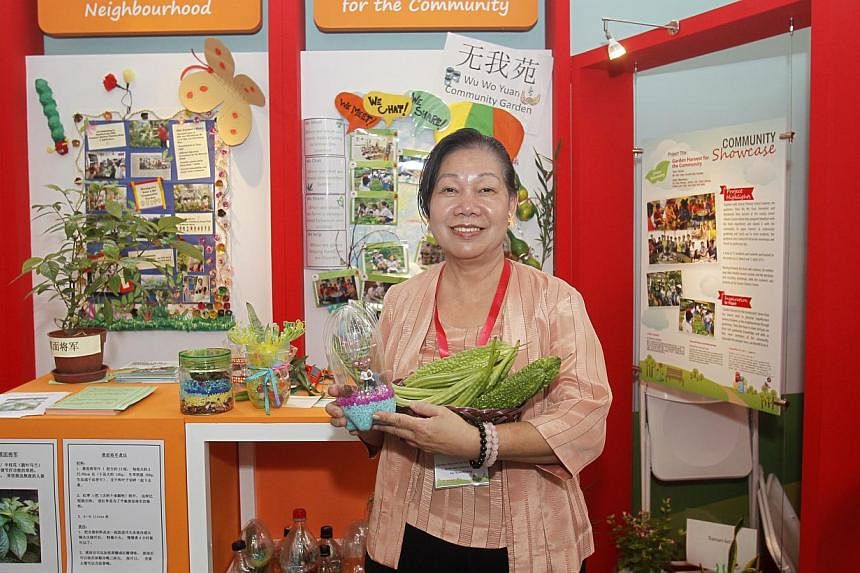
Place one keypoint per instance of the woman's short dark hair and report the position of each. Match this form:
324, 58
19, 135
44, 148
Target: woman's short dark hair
466, 138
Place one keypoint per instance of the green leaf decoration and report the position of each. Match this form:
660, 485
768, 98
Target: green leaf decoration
254, 321
659, 172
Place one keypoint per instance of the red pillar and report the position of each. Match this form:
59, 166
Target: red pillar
558, 40
601, 242
831, 467
286, 41
21, 38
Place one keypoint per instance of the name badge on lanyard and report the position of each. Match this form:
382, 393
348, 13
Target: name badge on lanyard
455, 472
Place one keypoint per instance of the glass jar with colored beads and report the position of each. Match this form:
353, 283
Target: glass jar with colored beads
204, 381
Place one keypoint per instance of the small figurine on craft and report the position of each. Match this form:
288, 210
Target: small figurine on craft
203, 91
355, 356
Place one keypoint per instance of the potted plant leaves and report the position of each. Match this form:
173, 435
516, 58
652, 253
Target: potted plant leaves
98, 258
646, 542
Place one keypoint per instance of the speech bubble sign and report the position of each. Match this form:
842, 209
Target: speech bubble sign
429, 111
351, 107
389, 106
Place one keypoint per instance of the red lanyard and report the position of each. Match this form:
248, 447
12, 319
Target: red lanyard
442, 339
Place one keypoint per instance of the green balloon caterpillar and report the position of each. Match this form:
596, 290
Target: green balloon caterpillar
49, 108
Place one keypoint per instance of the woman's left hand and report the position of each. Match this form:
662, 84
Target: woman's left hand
437, 431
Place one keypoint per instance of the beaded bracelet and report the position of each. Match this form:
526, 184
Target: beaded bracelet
482, 455
493, 445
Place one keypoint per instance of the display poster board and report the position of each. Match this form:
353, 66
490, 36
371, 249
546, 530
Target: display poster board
115, 514
370, 119
77, 86
713, 260
28, 491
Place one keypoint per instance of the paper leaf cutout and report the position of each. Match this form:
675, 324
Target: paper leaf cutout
429, 111
351, 107
388, 106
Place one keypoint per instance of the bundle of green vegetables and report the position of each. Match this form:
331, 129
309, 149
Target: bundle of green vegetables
478, 378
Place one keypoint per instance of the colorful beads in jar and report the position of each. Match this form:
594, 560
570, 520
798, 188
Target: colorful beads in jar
260, 383
205, 385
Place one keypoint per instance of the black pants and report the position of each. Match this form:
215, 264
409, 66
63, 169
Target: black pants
424, 553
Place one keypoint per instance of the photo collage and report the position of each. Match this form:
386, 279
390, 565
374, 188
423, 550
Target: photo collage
161, 167
373, 177
681, 231
380, 175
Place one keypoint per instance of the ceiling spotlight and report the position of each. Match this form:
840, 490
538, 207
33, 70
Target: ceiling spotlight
614, 47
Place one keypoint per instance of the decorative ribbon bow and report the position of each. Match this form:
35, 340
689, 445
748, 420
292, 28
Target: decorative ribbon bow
269, 378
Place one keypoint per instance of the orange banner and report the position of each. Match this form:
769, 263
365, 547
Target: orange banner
357, 15
148, 17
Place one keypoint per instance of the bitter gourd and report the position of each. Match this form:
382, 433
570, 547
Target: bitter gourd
519, 387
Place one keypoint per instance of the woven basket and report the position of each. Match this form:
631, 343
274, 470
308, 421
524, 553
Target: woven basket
493, 416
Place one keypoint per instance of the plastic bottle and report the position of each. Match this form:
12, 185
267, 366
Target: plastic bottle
335, 552
327, 565
299, 552
240, 558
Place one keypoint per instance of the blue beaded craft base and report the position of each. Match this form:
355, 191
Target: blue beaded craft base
360, 416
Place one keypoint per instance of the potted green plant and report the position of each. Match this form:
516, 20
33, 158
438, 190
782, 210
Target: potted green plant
646, 542
98, 257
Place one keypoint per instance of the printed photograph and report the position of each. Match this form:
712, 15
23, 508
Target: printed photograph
160, 291
374, 210
186, 264
188, 197
99, 195
671, 247
682, 230
410, 165
696, 317
373, 145
680, 213
335, 290
664, 288
428, 252
150, 165
366, 178
105, 165
385, 258
21, 528
148, 133
196, 288
373, 292
19, 405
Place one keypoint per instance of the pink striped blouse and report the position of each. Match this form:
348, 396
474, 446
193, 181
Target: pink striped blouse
470, 516
541, 516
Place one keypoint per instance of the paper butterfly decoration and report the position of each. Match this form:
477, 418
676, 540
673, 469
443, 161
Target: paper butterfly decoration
204, 90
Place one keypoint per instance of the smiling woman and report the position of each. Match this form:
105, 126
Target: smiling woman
467, 192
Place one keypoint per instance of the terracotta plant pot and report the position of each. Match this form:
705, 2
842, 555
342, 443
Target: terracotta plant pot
78, 356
